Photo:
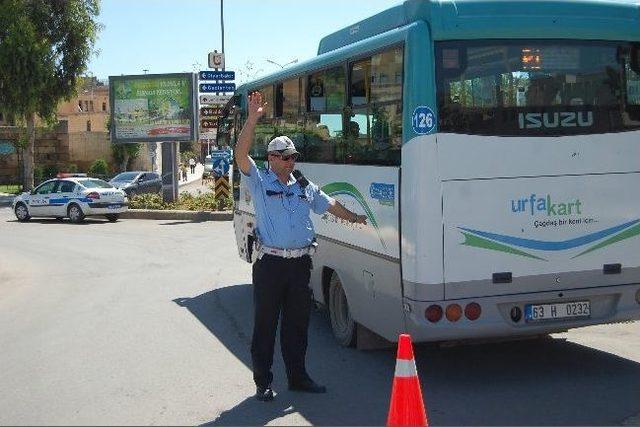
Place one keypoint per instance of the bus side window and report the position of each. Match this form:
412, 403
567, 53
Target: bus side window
290, 121
323, 132
265, 129
374, 115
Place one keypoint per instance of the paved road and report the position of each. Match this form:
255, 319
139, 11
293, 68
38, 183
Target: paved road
149, 322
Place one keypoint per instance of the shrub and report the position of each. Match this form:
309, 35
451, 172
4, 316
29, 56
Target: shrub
146, 201
50, 171
38, 173
186, 201
99, 167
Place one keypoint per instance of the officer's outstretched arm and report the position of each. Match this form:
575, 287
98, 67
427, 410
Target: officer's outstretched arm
241, 153
340, 211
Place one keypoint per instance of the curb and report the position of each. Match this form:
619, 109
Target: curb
196, 216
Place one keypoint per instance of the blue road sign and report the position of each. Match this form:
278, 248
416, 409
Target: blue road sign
217, 75
217, 87
220, 166
423, 120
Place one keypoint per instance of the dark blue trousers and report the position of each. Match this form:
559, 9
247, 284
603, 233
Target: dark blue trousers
280, 291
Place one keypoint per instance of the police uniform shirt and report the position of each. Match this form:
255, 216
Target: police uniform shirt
282, 211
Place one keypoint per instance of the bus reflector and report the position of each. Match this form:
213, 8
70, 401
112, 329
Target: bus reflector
433, 313
454, 312
472, 311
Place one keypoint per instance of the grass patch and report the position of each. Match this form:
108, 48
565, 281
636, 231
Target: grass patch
10, 188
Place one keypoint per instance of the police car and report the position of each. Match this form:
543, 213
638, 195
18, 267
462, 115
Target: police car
71, 195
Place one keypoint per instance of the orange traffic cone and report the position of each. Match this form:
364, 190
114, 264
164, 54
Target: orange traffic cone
407, 407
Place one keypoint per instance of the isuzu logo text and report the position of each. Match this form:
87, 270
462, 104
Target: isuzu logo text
565, 119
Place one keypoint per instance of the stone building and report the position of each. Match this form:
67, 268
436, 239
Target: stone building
81, 136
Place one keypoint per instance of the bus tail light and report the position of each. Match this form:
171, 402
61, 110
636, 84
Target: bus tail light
453, 312
94, 196
472, 311
433, 313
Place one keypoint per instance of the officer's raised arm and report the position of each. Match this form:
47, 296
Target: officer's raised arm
255, 109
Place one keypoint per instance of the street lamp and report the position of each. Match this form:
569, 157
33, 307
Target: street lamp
279, 65
145, 70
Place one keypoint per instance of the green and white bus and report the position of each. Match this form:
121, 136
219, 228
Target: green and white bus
494, 147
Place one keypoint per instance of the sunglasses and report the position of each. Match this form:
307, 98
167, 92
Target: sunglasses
286, 158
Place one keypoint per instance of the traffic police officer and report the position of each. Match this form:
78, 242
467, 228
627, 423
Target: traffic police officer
285, 244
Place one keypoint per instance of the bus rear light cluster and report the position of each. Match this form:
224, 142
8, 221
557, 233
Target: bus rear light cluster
433, 313
472, 311
453, 312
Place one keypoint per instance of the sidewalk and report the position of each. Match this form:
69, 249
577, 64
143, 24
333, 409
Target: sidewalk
191, 177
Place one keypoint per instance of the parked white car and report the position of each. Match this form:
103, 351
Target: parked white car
72, 196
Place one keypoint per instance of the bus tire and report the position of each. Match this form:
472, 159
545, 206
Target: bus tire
342, 324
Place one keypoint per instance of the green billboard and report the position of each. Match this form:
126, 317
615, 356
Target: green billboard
152, 107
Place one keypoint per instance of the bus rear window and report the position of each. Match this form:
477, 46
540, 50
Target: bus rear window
537, 87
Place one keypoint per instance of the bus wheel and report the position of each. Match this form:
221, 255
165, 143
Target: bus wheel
342, 324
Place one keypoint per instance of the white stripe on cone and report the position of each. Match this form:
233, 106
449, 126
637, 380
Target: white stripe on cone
406, 368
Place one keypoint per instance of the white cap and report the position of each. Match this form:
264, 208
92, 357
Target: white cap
282, 144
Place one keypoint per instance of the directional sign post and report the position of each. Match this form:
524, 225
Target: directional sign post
217, 87
210, 111
217, 75
209, 123
214, 99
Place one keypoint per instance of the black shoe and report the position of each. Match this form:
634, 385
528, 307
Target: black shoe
307, 386
264, 394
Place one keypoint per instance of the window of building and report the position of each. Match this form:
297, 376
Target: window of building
79, 105
88, 125
104, 106
86, 106
91, 106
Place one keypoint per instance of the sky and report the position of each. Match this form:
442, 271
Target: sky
173, 36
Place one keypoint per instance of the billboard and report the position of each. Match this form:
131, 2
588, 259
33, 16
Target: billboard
152, 108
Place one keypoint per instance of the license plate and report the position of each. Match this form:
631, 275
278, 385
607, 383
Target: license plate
563, 310
113, 206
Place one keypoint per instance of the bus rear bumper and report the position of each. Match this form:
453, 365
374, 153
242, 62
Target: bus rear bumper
609, 304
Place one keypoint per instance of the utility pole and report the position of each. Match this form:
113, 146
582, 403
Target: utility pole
222, 23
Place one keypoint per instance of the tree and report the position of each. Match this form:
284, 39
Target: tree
45, 46
124, 154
